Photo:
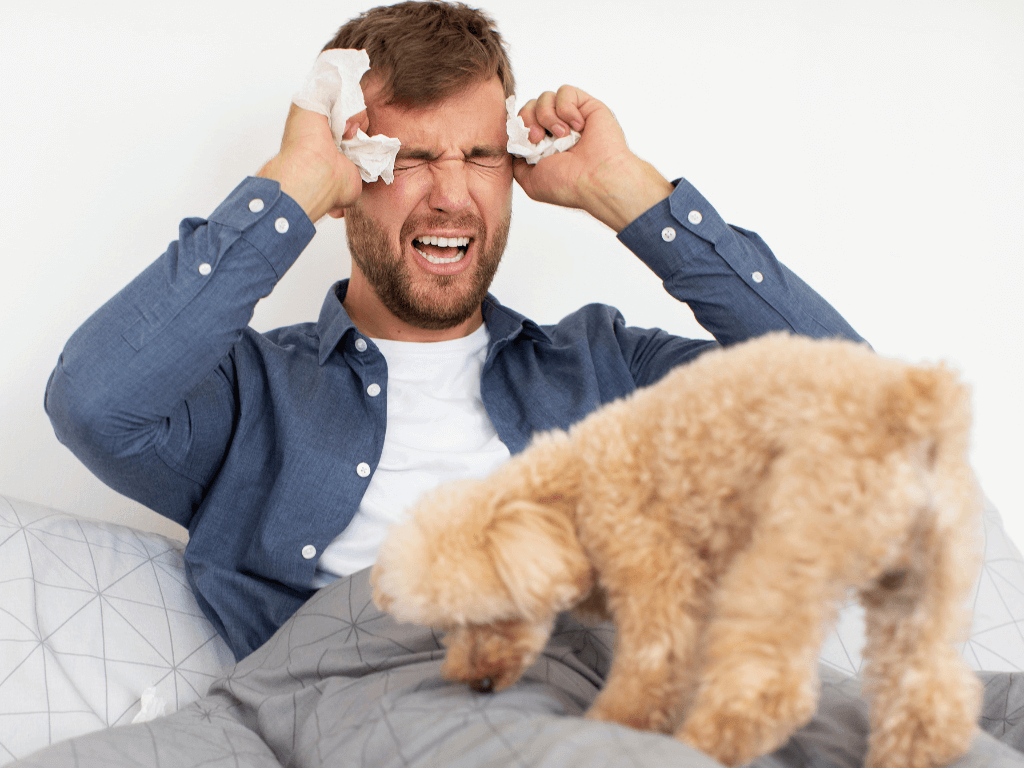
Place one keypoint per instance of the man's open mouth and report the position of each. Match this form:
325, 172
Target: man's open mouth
441, 250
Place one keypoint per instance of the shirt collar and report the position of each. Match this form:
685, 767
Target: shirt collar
503, 324
334, 321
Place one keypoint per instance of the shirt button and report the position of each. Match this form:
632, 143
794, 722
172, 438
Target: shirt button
281, 225
668, 234
373, 390
757, 277
695, 217
205, 269
255, 205
309, 551
361, 345
363, 469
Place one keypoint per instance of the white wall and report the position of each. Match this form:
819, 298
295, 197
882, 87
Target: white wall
877, 146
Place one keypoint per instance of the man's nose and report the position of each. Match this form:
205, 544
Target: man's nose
449, 189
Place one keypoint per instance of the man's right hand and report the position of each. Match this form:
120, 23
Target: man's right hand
309, 167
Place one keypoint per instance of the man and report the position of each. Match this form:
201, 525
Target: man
269, 447
287, 454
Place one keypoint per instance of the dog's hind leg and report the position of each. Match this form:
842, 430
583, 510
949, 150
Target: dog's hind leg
924, 698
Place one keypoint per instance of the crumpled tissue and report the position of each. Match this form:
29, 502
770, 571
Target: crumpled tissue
152, 707
519, 138
332, 89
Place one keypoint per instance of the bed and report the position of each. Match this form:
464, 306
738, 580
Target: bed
97, 620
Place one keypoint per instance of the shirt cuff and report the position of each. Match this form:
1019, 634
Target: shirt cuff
657, 234
269, 220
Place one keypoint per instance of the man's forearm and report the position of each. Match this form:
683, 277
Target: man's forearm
131, 364
729, 277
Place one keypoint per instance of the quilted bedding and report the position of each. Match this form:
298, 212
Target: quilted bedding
343, 684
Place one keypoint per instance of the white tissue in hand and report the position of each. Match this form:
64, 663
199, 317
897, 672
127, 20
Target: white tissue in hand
374, 156
152, 707
332, 89
519, 138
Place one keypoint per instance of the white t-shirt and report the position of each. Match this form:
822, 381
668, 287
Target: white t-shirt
437, 430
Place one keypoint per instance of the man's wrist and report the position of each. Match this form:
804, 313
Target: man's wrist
625, 192
306, 184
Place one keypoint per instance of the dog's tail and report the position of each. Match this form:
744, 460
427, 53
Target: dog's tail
931, 407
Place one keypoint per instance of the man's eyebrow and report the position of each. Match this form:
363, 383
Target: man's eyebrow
492, 150
412, 153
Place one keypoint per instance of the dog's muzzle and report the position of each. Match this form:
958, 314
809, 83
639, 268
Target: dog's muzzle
484, 685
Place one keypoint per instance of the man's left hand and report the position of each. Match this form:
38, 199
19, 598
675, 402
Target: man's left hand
599, 174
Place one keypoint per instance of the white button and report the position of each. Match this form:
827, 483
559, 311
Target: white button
281, 225
695, 217
758, 277
255, 205
361, 345
205, 269
668, 234
309, 551
373, 390
363, 469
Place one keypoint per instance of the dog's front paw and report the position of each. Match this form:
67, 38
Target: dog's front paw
732, 738
491, 657
745, 725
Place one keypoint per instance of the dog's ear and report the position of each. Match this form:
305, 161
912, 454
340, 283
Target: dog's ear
536, 553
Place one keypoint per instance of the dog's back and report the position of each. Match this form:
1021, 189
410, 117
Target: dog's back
712, 439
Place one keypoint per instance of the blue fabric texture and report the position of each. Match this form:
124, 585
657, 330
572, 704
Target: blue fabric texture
253, 441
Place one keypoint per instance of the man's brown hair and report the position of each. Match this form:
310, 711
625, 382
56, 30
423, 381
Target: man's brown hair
428, 51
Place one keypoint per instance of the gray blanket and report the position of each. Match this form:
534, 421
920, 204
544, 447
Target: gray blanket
342, 684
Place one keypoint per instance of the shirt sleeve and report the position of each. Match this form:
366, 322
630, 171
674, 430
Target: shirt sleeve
728, 276
142, 393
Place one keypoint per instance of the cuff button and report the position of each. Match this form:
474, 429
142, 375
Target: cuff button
668, 234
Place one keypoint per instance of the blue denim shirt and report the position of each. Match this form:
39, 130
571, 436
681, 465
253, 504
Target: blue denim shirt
263, 444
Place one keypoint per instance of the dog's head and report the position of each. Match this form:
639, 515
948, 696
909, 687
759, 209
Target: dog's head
467, 555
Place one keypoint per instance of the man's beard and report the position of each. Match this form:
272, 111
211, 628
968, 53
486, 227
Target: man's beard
388, 273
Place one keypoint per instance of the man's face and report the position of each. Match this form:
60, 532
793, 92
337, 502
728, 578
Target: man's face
429, 244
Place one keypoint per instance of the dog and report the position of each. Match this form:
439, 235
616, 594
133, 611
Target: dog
718, 518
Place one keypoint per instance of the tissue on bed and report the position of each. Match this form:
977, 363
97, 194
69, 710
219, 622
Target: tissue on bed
519, 138
332, 89
152, 706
